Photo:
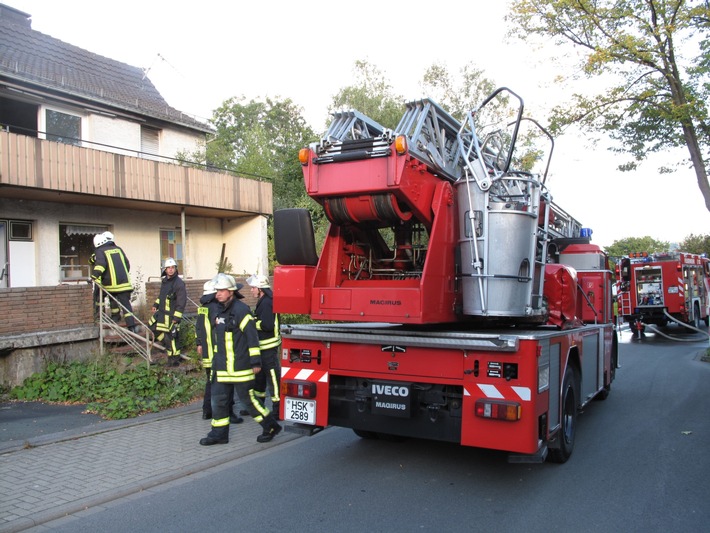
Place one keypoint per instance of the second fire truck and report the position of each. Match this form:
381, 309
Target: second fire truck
663, 287
454, 299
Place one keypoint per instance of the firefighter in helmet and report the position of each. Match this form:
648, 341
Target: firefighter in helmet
205, 348
111, 270
168, 310
235, 362
267, 324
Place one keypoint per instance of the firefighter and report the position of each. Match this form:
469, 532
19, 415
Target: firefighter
235, 362
111, 270
205, 341
168, 310
267, 324
203, 338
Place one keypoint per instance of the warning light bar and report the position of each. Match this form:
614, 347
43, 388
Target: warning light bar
298, 389
498, 410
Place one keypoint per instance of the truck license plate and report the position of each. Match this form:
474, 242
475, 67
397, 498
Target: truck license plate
300, 410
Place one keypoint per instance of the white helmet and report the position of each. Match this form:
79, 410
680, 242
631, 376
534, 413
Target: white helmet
208, 288
224, 281
101, 239
108, 236
258, 281
170, 262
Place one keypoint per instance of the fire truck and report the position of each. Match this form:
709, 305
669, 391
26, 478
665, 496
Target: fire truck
452, 299
664, 287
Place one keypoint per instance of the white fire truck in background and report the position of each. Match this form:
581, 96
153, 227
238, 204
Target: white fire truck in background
665, 287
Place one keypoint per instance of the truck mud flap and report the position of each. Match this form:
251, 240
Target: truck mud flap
537, 457
303, 429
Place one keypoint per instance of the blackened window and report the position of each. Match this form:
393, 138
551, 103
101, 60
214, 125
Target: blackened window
63, 128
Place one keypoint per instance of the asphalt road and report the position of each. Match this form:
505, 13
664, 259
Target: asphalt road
640, 465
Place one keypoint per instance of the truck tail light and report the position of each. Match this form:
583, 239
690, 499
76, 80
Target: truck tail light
298, 389
498, 409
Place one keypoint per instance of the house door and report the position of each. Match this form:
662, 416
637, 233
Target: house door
4, 266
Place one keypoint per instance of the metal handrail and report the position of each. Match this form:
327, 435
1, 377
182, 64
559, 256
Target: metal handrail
142, 343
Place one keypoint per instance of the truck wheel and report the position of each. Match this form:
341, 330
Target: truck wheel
568, 424
696, 316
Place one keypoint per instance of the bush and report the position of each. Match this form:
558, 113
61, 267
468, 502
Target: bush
109, 391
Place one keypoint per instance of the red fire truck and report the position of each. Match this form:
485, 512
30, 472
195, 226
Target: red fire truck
453, 299
663, 287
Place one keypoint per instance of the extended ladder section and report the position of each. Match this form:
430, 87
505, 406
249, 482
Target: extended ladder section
433, 137
351, 136
507, 219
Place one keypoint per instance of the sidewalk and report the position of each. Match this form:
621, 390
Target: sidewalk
64, 473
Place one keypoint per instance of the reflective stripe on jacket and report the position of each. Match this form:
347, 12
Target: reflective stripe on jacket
111, 268
203, 328
170, 303
236, 346
267, 322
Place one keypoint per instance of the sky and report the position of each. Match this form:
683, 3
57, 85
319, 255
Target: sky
199, 54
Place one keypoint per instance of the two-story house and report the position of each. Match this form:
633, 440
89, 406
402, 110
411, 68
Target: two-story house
88, 144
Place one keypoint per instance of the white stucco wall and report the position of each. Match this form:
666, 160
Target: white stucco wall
173, 141
246, 254
138, 233
114, 132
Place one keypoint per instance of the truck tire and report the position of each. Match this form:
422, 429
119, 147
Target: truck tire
697, 322
294, 242
568, 426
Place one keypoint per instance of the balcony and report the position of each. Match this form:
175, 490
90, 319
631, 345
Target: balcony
37, 169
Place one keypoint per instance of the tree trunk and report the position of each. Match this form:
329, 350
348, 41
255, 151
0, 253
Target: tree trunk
696, 158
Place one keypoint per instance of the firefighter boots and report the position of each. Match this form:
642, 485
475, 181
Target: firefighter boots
216, 436
173, 360
235, 419
271, 429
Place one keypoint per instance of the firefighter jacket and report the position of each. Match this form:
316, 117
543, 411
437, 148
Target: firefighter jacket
111, 268
236, 343
203, 328
267, 322
170, 304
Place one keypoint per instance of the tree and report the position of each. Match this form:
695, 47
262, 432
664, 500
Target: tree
625, 246
659, 52
457, 95
696, 244
260, 139
372, 96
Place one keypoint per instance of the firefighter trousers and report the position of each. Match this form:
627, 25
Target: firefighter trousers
222, 400
124, 298
269, 378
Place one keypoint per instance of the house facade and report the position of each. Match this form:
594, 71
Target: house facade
88, 144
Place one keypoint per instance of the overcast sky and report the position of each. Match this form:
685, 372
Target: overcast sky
202, 53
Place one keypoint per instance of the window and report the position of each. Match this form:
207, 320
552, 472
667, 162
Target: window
76, 244
171, 246
20, 230
62, 127
150, 142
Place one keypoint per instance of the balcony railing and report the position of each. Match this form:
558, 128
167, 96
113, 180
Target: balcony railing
30, 162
